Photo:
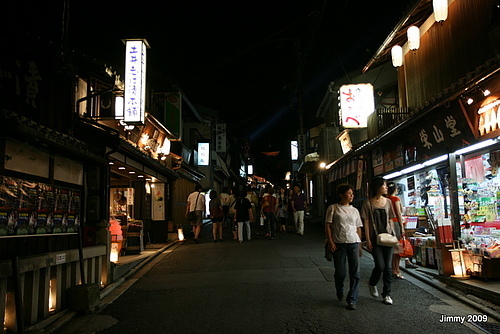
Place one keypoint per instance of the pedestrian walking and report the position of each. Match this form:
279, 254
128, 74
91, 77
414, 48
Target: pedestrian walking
195, 207
231, 200
377, 214
299, 207
282, 214
243, 215
392, 191
291, 219
216, 214
254, 201
343, 232
268, 209
224, 198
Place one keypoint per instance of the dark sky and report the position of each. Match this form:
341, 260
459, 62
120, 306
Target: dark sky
250, 60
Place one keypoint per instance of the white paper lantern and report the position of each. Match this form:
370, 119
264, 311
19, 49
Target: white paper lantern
440, 10
397, 55
413, 38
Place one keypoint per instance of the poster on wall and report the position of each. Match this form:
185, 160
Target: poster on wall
377, 157
359, 176
28, 208
158, 201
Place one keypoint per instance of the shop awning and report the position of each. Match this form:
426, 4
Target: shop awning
130, 156
24, 129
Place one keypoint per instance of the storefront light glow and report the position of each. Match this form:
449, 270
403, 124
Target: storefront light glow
412, 169
417, 167
477, 146
436, 160
392, 175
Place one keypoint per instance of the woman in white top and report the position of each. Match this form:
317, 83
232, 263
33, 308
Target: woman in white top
343, 232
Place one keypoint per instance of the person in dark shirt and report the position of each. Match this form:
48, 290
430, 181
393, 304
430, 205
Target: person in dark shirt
299, 206
243, 215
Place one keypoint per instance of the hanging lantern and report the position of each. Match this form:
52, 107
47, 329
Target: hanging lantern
397, 55
440, 10
413, 37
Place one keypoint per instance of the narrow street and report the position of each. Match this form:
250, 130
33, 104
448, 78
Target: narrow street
264, 286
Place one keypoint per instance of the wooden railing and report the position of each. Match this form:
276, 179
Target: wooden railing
44, 281
387, 118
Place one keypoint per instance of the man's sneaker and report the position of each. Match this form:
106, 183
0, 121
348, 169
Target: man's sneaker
373, 290
388, 300
351, 306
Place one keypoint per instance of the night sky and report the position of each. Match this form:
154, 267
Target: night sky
250, 60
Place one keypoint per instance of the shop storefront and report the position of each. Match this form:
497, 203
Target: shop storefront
479, 198
451, 201
139, 199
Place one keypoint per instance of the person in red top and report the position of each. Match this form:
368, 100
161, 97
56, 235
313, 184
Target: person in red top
268, 207
399, 228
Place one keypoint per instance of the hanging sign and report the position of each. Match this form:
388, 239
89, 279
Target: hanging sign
356, 104
135, 81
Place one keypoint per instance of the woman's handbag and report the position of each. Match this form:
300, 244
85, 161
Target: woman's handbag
383, 239
407, 248
386, 239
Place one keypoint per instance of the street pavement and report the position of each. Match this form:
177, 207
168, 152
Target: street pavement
283, 285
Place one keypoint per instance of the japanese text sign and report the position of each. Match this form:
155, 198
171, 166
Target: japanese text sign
356, 104
135, 81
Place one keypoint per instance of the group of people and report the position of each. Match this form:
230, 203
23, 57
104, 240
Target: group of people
380, 213
242, 208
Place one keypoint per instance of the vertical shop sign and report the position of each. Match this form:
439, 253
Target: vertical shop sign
203, 154
158, 200
220, 138
130, 196
301, 141
135, 81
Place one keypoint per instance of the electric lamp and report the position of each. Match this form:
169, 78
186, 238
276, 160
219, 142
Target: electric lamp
397, 56
180, 233
413, 34
440, 10
113, 256
457, 258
